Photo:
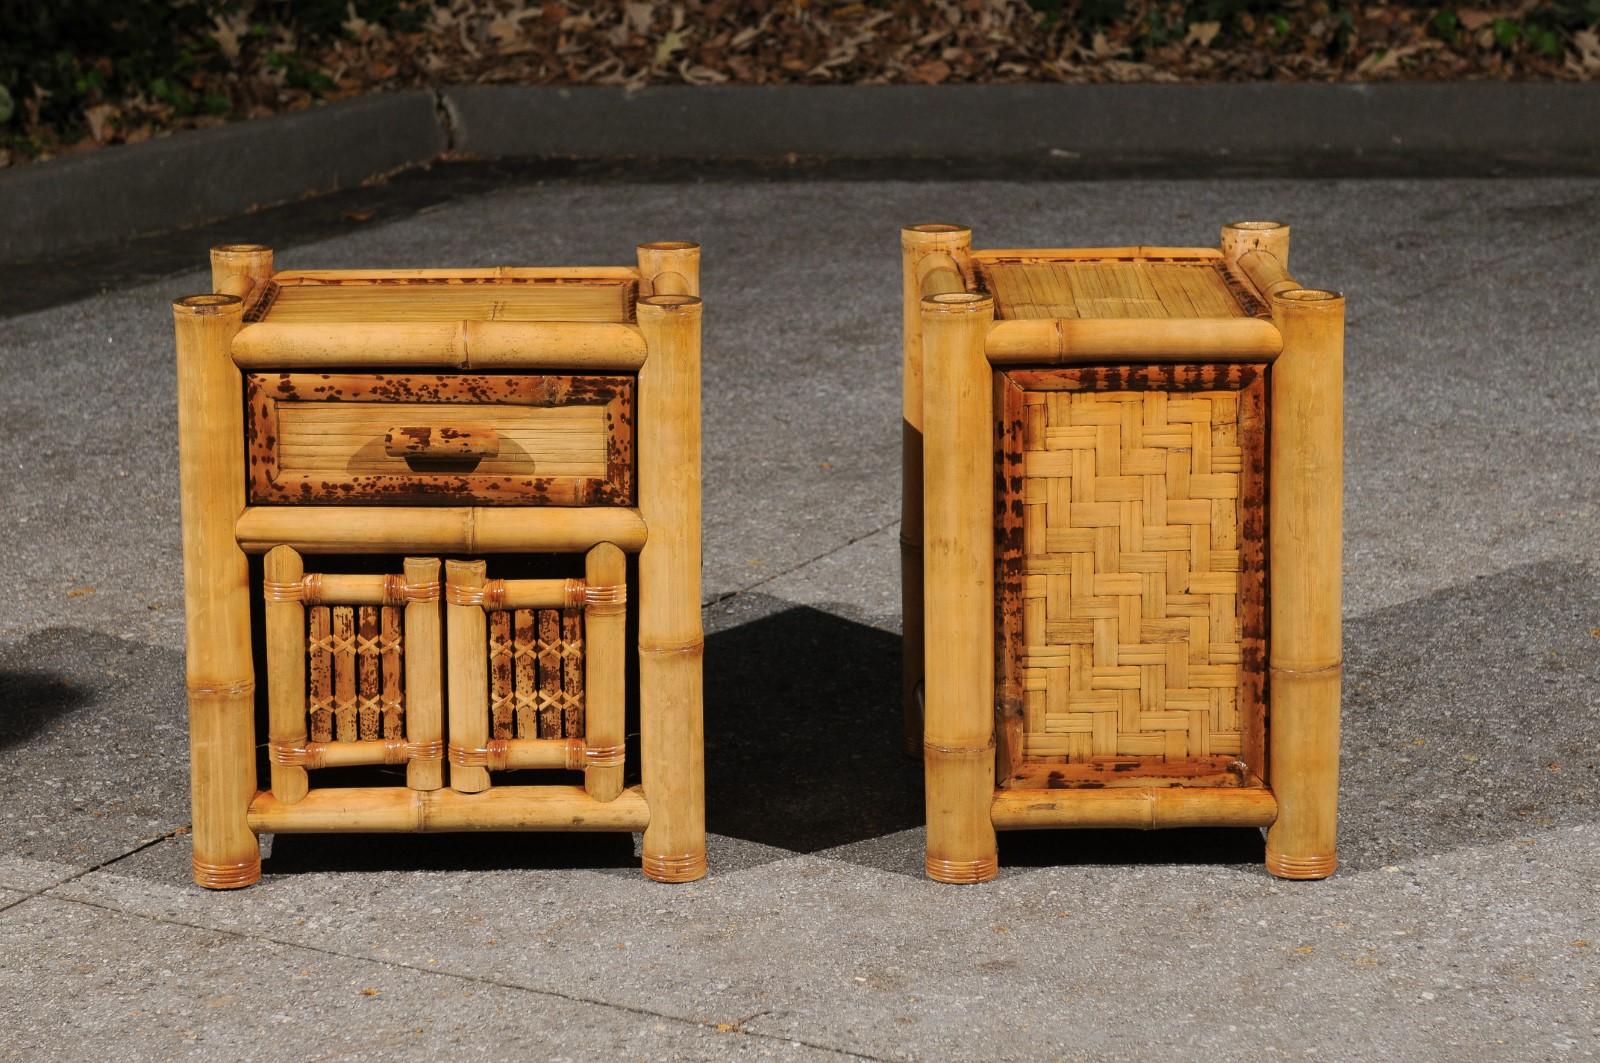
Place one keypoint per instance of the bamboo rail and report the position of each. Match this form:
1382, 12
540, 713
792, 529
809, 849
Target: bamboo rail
349, 754
1136, 807
927, 254
445, 529
1307, 446
958, 565
515, 754
220, 672
1066, 341
395, 809
567, 345
671, 642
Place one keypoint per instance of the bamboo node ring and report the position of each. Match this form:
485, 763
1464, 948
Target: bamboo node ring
685, 867
227, 690
663, 648
288, 591
604, 756
959, 751
615, 594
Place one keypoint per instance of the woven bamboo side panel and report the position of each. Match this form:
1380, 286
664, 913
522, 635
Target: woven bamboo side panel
1131, 612
536, 668
1118, 288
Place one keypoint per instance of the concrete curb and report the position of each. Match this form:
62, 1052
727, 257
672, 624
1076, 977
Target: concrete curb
1269, 128
105, 196
1016, 131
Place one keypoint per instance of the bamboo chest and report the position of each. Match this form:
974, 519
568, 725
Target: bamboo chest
448, 514
1121, 569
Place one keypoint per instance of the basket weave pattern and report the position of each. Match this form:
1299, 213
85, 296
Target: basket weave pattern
1140, 573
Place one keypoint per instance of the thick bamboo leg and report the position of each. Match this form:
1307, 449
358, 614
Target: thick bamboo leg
605, 636
958, 568
216, 591
669, 267
1307, 484
671, 644
424, 718
286, 667
917, 242
240, 269
466, 627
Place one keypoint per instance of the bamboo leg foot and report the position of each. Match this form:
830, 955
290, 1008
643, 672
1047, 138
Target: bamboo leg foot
685, 867
227, 876
1301, 867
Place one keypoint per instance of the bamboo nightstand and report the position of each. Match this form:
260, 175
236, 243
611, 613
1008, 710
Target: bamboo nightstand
1121, 572
517, 432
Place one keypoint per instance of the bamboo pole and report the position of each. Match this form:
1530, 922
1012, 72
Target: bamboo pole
519, 754
918, 243
283, 570
1306, 459
1135, 807
395, 809
958, 619
466, 628
424, 712
1079, 341
671, 643
605, 623
240, 269
446, 529
567, 345
669, 267
216, 591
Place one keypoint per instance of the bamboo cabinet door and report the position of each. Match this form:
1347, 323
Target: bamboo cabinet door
1130, 611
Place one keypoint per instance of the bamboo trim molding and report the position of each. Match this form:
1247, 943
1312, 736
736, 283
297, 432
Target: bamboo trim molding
442, 529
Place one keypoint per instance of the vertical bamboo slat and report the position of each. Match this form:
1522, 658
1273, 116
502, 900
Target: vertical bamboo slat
1307, 444
605, 674
958, 545
344, 673
549, 673
502, 706
320, 701
917, 242
466, 627
392, 699
526, 653
219, 671
571, 673
671, 642
423, 711
369, 675
282, 570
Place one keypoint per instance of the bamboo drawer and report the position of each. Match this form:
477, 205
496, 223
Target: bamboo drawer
512, 439
1121, 542
416, 496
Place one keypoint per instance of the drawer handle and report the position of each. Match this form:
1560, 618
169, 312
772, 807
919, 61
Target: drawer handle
458, 443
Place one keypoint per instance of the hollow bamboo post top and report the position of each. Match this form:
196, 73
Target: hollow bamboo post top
240, 269
669, 267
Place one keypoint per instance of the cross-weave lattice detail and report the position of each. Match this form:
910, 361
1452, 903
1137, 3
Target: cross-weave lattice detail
1134, 591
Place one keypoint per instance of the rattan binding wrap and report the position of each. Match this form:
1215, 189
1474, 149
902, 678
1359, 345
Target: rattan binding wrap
1140, 574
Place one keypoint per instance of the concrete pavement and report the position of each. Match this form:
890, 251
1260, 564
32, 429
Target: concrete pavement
1464, 923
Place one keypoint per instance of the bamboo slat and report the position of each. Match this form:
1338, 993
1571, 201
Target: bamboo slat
526, 655
320, 649
671, 642
219, 671
465, 626
445, 529
343, 648
958, 566
392, 649
286, 669
561, 345
1306, 527
394, 809
572, 673
424, 711
549, 645
502, 702
369, 674
918, 244
605, 679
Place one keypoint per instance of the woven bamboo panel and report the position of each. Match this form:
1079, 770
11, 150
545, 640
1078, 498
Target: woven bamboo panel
431, 299
536, 673
357, 664
1131, 574
1117, 288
